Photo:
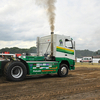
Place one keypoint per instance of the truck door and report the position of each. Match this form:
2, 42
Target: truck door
60, 47
69, 49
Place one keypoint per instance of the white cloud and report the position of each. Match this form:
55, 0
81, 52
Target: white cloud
20, 44
22, 20
80, 39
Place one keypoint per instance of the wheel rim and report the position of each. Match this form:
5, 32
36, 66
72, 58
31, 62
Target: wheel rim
63, 70
16, 72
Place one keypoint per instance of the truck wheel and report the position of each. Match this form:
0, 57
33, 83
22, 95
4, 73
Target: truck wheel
15, 71
63, 70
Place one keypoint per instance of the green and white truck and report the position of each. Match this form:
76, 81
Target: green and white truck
55, 54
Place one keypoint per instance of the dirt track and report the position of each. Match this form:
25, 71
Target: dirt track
81, 84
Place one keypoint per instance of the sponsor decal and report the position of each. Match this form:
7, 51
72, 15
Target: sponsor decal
50, 65
37, 65
34, 64
44, 67
30, 66
34, 67
60, 42
36, 70
53, 68
47, 64
41, 64
48, 70
44, 64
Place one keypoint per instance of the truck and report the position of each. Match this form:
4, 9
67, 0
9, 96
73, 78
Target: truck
55, 55
87, 59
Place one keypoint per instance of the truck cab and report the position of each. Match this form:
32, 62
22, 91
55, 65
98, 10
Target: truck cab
63, 48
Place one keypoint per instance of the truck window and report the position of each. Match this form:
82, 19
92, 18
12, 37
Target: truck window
68, 43
85, 58
89, 59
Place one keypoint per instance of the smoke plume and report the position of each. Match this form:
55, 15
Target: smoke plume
49, 5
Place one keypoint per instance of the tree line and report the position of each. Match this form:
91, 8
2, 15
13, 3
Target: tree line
85, 53
78, 53
19, 50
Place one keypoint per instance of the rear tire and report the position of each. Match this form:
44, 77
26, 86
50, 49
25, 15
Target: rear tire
63, 70
15, 71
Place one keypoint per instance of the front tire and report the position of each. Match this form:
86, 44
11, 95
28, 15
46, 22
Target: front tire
15, 71
63, 70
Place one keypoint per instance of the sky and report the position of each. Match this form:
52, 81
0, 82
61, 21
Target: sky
22, 21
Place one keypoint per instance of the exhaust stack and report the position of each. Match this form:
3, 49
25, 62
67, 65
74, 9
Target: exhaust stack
52, 43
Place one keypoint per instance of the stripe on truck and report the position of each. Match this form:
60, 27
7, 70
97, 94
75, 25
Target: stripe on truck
64, 50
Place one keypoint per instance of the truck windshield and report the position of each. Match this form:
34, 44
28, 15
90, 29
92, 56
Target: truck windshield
68, 43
